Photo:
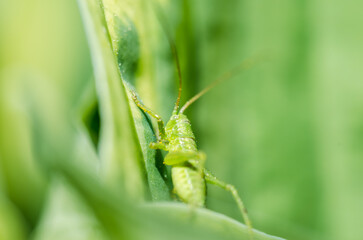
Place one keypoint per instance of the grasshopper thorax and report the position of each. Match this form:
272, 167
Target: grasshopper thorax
179, 133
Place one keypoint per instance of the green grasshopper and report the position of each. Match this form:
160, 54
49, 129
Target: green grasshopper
188, 174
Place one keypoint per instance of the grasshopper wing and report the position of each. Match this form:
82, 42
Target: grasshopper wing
174, 158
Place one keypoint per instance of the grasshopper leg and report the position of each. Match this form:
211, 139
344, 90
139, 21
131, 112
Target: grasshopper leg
158, 145
152, 114
210, 178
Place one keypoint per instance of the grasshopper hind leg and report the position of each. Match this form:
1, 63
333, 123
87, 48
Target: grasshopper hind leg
210, 178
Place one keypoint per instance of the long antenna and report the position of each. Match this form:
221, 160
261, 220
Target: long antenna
247, 64
163, 23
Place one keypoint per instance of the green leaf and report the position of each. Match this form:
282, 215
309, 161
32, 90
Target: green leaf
121, 219
132, 49
137, 134
19, 168
66, 216
12, 225
118, 145
158, 188
215, 222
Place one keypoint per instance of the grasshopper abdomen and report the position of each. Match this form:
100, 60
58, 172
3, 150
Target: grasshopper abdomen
189, 185
187, 177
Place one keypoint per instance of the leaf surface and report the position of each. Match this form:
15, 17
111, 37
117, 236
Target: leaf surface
126, 132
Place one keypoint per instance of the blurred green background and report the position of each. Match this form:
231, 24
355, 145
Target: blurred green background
288, 133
